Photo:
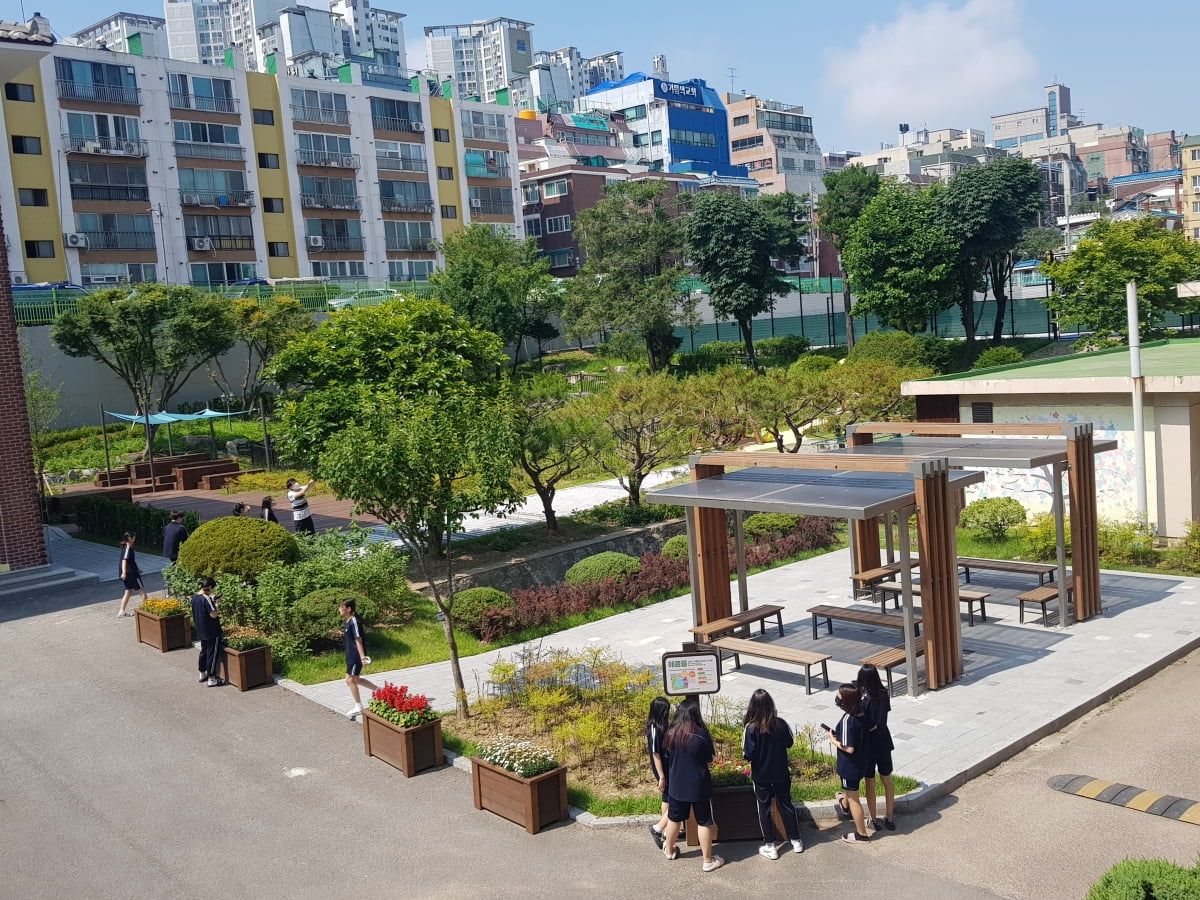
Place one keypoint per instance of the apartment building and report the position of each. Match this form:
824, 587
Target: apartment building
1191, 186
125, 32
560, 77
481, 58
775, 142
131, 168
1010, 130
836, 160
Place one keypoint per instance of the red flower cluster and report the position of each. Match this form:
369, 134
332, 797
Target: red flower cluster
399, 707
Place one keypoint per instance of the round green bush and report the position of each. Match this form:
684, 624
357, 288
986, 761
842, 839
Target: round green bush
769, 525
998, 356
811, 363
236, 545
675, 548
1137, 879
602, 566
902, 349
993, 516
316, 615
469, 605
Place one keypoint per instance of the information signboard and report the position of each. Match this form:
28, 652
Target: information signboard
691, 672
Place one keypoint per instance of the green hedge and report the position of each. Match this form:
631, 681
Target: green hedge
469, 605
602, 566
235, 545
315, 616
104, 517
1147, 879
769, 525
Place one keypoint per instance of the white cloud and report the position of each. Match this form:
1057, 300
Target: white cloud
939, 65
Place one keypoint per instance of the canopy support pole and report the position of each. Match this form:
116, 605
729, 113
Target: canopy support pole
690, 515
262, 414
212, 436
107, 461
910, 649
739, 539
149, 441
889, 522
1056, 473
170, 442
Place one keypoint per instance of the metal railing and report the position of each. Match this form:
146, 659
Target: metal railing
339, 243
474, 170
197, 150
401, 164
330, 201
485, 133
110, 192
225, 241
413, 245
216, 198
406, 204
118, 240
329, 158
205, 104
320, 115
106, 146
389, 123
492, 207
98, 93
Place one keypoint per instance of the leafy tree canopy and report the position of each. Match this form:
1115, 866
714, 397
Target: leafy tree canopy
263, 327
1035, 243
847, 194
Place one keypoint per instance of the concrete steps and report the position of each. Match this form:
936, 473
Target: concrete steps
40, 579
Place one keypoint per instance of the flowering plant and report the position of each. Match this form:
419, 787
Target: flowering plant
519, 757
163, 608
728, 772
400, 707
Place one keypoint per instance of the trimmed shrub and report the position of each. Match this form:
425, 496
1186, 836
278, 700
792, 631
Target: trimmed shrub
936, 353
769, 525
1040, 541
676, 547
236, 545
994, 516
812, 363
783, 350
619, 512
107, 518
316, 616
1128, 543
1186, 554
470, 604
600, 566
1140, 879
903, 349
998, 356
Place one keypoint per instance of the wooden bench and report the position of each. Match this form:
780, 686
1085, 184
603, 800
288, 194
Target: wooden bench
1041, 596
861, 616
968, 597
865, 581
189, 477
1041, 570
737, 646
219, 480
889, 659
758, 614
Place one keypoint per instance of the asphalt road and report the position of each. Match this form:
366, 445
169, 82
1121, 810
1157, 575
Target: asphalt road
120, 776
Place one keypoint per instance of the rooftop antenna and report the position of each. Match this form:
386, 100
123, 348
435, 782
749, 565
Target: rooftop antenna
732, 77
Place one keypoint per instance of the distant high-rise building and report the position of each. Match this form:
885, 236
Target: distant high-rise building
125, 33
481, 58
1191, 186
1010, 130
836, 160
558, 78
198, 32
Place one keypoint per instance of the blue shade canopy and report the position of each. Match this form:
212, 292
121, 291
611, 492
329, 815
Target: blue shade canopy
162, 418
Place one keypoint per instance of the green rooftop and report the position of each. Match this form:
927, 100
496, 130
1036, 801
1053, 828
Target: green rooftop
1176, 358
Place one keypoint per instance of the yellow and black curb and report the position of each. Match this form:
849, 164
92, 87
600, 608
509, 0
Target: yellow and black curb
1165, 805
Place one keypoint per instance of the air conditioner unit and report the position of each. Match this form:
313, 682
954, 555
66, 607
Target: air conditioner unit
316, 242
78, 241
201, 243
348, 162
476, 203
1196, 189
18, 278
92, 147
191, 199
131, 148
418, 127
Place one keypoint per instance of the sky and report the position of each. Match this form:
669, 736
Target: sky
858, 69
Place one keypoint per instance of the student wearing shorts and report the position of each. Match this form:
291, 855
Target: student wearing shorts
356, 657
689, 783
849, 738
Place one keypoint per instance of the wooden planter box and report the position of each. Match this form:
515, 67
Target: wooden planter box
246, 669
163, 633
411, 750
531, 802
736, 815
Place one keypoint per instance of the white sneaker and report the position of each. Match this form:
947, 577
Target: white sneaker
355, 711
769, 851
798, 845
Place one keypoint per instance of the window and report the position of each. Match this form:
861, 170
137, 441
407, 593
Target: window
561, 258
319, 106
530, 193
277, 248
1196, 234
416, 236
633, 113
30, 145
484, 126
197, 92
449, 212
787, 162
264, 117
693, 138
1196, 206
749, 143
15, 91
445, 173
34, 197
340, 269
206, 133
981, 413
268, 160
272, 204
641, 139
810, 165
555, 224
555, 188
656, 138
394, 115
533, 226
1196, 156
740, 120
39, 249
779, 121
441, 135
320, 143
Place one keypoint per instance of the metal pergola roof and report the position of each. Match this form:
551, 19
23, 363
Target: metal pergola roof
975, 452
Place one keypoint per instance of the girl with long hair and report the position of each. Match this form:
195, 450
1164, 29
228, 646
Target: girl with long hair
849, 738
131, 575
656, 732
689, 783
765, 742
877, 705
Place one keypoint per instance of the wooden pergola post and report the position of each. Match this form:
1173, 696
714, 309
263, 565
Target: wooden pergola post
1085, 526
939, 572
864, 533
711, 561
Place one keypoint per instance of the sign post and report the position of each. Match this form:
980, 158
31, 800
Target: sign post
690, 673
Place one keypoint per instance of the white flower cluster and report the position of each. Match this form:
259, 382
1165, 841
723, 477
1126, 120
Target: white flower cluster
520, 757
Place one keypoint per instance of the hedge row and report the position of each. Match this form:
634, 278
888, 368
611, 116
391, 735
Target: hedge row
106, 518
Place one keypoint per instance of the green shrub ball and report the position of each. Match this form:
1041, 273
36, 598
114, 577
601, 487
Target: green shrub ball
1136, 879
469, 605
235, 545
769, 525
316, 615
676, 547
601, 566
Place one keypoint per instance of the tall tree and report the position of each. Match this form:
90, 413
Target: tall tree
784, 403
1035, 243
44, 409
152, 336
903, 263
493, 281
847, 194
731, 241
1089, 284
632, 242
987, 209
264, 327
422, 465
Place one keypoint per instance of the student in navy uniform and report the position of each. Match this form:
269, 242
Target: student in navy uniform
765, 742
297, 495
208, 631
268, 510
131, 575
850, 739
877, 705
356, 657
173, 536
656, 731
689, 783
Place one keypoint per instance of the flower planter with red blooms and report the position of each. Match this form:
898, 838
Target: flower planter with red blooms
520, 782
163, 624
735, 810
403, 730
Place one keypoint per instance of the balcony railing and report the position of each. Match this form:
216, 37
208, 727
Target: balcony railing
327, 158
388, 123
329, 201
485, 133
118, 240
196, 150
110, 192
98, 93
401, 164
492, 207
206, 104
338, 243
222, 242
321, 116
108, 146
216, 198
406, 204
474, 170
415, 245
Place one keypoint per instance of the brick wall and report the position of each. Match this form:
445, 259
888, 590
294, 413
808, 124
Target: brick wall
22, 541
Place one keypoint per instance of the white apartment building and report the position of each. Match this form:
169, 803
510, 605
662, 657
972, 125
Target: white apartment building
558, 78
481, 58
125, 33
198, 32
